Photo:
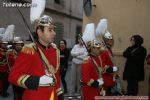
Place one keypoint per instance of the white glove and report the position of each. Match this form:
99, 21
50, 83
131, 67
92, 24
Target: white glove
9, 46
115, 68
46, 80
101, 82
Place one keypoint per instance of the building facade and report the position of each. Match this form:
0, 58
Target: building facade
125, 18
67, 15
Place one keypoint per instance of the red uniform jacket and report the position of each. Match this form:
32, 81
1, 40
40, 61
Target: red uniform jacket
4, 65
107, 77
28, 69
90, 74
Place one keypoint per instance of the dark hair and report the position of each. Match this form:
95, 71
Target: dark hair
63, 41
138, 40
35, 35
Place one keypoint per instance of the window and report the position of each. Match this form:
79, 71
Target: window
78, 31
59, 32
59, 1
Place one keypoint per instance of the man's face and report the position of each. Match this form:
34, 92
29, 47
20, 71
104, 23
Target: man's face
48, 35
110, 42
95, 51
18, 46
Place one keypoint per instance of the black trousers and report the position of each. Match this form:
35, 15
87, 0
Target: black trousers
132, 87
63, 74
18, 92
5, 83
108, 91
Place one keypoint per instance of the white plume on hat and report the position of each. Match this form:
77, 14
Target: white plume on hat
2, 30
89, 33
37, 9
101, 27
8, 35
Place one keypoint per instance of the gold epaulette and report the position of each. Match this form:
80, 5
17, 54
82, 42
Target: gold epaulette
54, 45
86, 60
28, 49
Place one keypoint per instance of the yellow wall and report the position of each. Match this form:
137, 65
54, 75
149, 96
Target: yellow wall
125, 18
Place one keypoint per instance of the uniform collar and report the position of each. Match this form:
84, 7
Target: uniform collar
43, 46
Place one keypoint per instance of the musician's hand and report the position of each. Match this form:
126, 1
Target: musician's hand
115, 69
44, 80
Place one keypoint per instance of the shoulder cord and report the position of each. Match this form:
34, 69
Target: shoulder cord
51, 67
98, 68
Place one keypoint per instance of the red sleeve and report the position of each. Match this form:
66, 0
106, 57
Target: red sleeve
19, 74
108, 60
86, 70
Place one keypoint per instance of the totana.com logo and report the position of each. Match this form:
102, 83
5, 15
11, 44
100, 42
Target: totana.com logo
18, 4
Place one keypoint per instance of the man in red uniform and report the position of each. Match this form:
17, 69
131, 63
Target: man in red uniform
7, 59
109, 41
39, 74
91, 77
17, 46
101, 31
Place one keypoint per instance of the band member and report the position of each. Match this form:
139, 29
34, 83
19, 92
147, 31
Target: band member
17, 46
108, 42
7, 59
92, 80
37, 69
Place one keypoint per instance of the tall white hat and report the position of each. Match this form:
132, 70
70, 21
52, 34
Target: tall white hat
102, 29
2, 30
89, 33
37, 9
8, 35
